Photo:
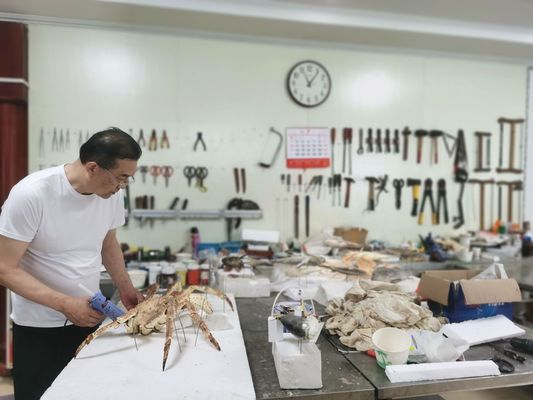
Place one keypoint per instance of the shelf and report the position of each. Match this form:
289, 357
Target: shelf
196, 214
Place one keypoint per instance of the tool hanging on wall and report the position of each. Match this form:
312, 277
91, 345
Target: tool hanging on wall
398, 184
155, 171
461, 177
379, 149
184, 204
164, 141
434, 145
360, 149
337, 182
372, 181
167, 171
307, 215
315, 182
460, 163
332, 139
428, 194
41, 143
152, 207
442, 201
482, 184
127, 205
274, 142
140, 140
67, 140
482, 137
396, 141
349, 182
236, 179
419, 134
243, 179
370, 141
61, 141
510, 189
387, 141
199, 140
415, 187
406, 133
300, 181
80, 138
512, 144
347, 134
288, 179
143, 169
350, 159
174, 203
296, 217
382, 187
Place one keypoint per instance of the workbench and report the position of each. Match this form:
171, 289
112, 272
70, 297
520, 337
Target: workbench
357, 375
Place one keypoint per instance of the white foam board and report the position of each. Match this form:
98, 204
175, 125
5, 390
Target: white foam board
111, 368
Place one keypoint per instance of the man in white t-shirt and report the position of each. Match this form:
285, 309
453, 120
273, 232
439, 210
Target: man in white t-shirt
57, 228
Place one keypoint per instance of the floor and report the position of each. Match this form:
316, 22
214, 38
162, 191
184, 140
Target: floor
512, 393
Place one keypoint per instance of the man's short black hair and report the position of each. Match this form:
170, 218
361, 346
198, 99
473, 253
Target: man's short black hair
106, 147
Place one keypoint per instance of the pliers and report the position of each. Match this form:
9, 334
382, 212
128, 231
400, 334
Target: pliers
164, 141
140, 140
152, 144
199, 139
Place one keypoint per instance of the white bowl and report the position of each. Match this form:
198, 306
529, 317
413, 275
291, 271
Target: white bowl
138, 278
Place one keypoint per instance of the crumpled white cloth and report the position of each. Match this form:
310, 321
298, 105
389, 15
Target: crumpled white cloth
370, 305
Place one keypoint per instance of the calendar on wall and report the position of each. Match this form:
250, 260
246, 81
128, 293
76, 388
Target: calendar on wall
308, 147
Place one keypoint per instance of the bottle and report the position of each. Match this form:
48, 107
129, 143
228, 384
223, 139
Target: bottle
195, 241
204, 274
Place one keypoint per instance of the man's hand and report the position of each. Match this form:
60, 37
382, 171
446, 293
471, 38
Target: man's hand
79, 312
130, 297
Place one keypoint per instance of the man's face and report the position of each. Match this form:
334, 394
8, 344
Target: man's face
110, 181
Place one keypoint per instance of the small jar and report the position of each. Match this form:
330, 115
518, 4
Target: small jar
154, 270
168, 276
204, 274
193, 274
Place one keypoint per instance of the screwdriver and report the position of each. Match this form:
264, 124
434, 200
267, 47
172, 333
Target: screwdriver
525, 345
332, 136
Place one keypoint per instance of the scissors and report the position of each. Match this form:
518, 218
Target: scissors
201, 174
189, 172
155, 170
166, 171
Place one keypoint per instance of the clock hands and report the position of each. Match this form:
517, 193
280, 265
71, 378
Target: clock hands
309, 83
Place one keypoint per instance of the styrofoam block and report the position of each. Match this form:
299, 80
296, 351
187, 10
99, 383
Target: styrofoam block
295, 369
257, 286
275, 330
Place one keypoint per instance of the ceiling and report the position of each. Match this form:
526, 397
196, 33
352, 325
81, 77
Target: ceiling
484, 28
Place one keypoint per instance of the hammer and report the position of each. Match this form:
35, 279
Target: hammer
371, 199
349, 182
405, 133
482, 184
434, 135
419, 133
415, 184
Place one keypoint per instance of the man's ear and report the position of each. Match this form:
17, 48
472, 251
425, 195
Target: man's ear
90, 167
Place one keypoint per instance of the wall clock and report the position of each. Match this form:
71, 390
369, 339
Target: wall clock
309, 83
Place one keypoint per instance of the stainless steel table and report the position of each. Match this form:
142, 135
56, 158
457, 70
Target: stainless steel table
340, 379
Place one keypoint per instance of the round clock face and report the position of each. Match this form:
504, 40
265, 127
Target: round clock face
309, 83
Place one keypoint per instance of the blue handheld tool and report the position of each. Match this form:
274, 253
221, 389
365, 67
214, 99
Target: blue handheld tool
100, 303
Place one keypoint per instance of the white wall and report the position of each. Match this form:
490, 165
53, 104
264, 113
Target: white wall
233, 91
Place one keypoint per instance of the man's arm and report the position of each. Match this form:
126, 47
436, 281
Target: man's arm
113, 261
76, 309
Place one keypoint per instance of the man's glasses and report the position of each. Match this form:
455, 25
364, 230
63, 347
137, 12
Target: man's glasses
121, 182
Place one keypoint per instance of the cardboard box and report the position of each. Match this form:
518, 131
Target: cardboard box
355, 235
454, 295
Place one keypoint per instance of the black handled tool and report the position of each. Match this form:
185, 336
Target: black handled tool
296, 216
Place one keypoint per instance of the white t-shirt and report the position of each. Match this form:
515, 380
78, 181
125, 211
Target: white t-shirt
65, 231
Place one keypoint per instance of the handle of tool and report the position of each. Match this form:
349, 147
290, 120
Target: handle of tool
307, 213
236, 179
174, 203
288, 178
296, 216
243, 180
421, 218
300, 180
434, 220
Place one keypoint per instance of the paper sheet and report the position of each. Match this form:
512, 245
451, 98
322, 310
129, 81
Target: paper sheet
483, 330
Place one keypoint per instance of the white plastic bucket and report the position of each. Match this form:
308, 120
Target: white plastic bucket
391, 346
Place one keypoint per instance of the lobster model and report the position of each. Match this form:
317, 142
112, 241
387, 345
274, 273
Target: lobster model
156, 312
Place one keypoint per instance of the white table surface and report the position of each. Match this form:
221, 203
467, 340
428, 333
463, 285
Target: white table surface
111, 368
